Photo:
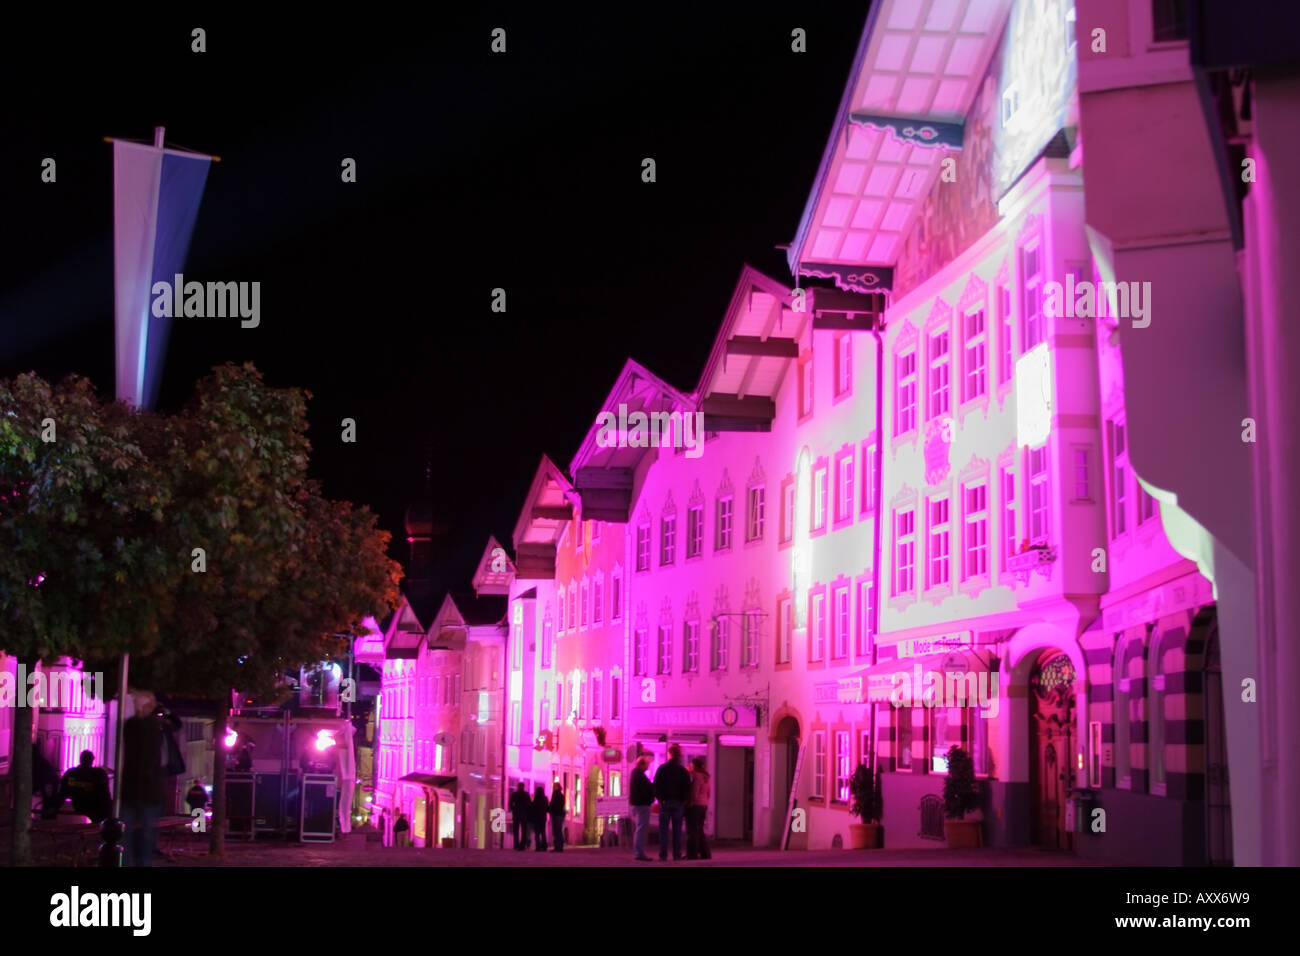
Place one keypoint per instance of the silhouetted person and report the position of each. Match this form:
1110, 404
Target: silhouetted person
143, 769
402, 830
558, 813
697, 845
197, 798
673, 790
520, 809
540, 811
87, 787
639, 801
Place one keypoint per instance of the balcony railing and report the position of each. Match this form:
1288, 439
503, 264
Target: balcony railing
1038, 558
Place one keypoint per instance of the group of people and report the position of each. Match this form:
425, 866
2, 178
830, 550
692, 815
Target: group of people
529, 816
683, 796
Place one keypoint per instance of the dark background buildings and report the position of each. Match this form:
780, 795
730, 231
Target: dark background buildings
475, 171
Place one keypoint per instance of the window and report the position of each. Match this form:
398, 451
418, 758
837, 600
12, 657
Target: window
1168, 20
691, 648
640, 652
1146, 506
819, 498
819, 765
870, 478
1082, 486
573, 605
615, 702
843, 622
595, 532
939, 376
784, 628
1010, 105
843, 363
643, 547
1009, 546
1038, 504
695, 531
844, 489
1031, 279
1119, 478
939, 543
559, 699
584, 619
1156, 732
905, 420
749, 653
787, 510
866, 600
757, 508
665, 649
598, 599
560, 592
1123, 737
616, 597
721, 637
668, 539
723, 541
975, 535
1006, 350
805, 386
904, 552
976, 358
817, 646
843, 764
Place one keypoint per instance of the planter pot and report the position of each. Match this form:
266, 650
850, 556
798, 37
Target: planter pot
864, 836
963, 833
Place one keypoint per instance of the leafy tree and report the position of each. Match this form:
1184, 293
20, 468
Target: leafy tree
82, 572
283, 570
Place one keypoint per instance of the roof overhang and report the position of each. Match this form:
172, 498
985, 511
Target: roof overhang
917, 71
641, 412
547, 507
756, 344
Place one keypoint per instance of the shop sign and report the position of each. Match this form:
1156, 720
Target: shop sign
939, 644
846, 690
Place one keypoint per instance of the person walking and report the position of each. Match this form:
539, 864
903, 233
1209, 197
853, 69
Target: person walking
672, 789
639, 800
558, 813
520, 809
697, 846
402, 831
540, 811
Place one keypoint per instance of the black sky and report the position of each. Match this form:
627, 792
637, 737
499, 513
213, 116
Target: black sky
475, 171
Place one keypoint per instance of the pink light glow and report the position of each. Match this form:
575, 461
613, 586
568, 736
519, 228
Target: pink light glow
231, 737
325, 739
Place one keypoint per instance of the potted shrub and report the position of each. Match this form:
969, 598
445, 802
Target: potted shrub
865, 803
960, 797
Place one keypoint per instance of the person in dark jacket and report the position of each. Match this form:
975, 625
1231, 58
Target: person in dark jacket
144, 758
640, 798
402, 831
558, 813
520, 810
673, 790
87, 787
540, 811
197, 798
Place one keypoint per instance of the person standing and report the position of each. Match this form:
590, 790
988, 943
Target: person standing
402, 831
540, 811
557, 812
87, 787
640, 798
197, 797
143, 756
520, 809
672, 788
697, 845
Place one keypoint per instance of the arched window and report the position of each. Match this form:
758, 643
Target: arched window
1123, 775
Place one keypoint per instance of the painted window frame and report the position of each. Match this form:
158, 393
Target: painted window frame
725, 510
844, 501
755, 513
695, 531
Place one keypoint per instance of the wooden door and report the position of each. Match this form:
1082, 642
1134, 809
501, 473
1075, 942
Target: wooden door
1051, 698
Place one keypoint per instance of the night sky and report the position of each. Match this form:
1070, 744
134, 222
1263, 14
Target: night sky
475, 171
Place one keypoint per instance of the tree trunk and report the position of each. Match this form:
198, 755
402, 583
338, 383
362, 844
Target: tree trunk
217, 835
21, 844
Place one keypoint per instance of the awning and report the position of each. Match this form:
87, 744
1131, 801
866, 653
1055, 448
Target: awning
444, 787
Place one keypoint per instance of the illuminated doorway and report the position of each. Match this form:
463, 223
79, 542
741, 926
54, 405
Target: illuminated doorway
1051, 732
